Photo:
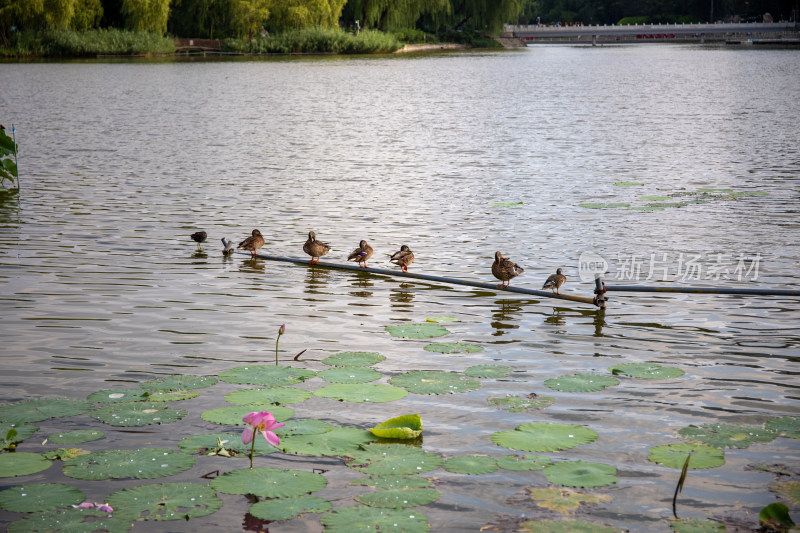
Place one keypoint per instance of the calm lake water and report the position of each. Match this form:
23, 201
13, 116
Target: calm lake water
121, 161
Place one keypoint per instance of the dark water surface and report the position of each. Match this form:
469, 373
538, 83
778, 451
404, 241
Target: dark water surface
102, 288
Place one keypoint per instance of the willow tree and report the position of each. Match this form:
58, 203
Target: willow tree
487, 15
297, 14
394, 14
146, 15
88, 14
248, 16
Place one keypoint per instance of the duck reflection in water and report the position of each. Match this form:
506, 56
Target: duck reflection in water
316, 279
507, 311
401, 297
252, 265
363, 281
557, 317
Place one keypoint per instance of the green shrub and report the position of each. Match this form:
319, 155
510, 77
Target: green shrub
317, 41
70, 43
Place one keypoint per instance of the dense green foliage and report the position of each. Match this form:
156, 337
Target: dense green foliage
317, 40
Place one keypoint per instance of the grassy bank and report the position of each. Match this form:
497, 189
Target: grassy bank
91, 43
318, 41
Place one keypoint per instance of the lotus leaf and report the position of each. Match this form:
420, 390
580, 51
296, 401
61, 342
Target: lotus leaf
434, 382
22, 464
269, 482
360, 519
646, 370
393, 459
304, 427
748, 193
71, 520
120, 395
394, 482
470, 464
146, 463
399, 498
453, 347
266, 375
707, 190
40, 497
505, 204
488, 371
654, 198
179, 382
361, 392
674, 456
425, 330
790, 490
694, 525
233, 415
24, 431
276, 395
603, 205
64, 453
288, 508
42, 409
581, 474
544, 437
581, 382
439, 319
137, 414
645, 208
726, 435
518, 404
775, 517
525, 462
566, 526
165, 501
214, 443
564, 501
171, 395
354, 374
628, 184
338, 441
354, 359
786, 426
400, 427
662, 205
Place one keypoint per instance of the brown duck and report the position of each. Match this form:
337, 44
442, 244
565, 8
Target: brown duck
555, 281
361, 254
253, 242
315, 248
504, 269
403, 258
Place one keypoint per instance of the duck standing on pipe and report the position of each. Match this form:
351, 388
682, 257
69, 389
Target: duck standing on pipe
504, 269
253, 242
555, 281
361, 254
315, 248
403, 258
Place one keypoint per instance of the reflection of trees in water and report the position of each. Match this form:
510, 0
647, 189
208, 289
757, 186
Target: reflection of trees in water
316, 278
402, 296
9, 208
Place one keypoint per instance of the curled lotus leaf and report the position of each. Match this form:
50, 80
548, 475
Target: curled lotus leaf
76, 437
470, 464
362, 392
42, 409
165, 501
22, 464
524, 462
726, 435
488, 371
519, 404
567, 526
35, 498
581, 474
453, 347
696, 525
276, 395
338, 441
424, 330
179, 382
361, 518
355, 374
544, 437
233, 415
24, 431
564, 501
269, 482
69, 520
785, 426
354, 359
646, 370
137, 414
288, 508
266, 375
674, 456
393, 459
399, 427
434, 382
119, 395
400, 498
145, 463
581, 382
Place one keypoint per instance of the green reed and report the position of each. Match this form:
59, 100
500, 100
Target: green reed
317, 41
70, 43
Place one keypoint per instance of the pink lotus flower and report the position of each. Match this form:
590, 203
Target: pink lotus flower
264, 422
105, 507
84, 505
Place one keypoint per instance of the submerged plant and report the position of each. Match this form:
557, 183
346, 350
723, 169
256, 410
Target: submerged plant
8, 157
263, 422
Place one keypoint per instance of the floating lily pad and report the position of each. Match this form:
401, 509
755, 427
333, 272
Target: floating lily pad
394, 482
566, 526
748, 193
354, 359
434, 382
518, 404
233, 415
790, 490
425, 330
400, 498
727, 435
785, 426
505, 204
269, 482
663, 205
362, 519
488, 371
581, 382
564, 501
470, 464
288, 508
674, 456
581, 474
338, 441
393, 459
440, 319
24, 431
266, 375
544, 437
63, 454
71, 520
304, 427
695, 525
353, 374
628, 184
40, 497
172, 395
146, 463
137, 414
646, 370
453, 347
364, 392
645, 208
22, 464
42, 409
603, 205
121, 395
231, 443
714, 191
165, 501
654, 198
276, 395
179, 382
400, 427
524, 462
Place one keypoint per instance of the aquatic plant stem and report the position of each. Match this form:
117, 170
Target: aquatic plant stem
14, 140
252, 451
679, 487
280, 332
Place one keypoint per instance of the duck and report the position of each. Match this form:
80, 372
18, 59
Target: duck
199, 237
361, 254
315, 248
504, 269
253, 242
555, 281
403, 258
227, 246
